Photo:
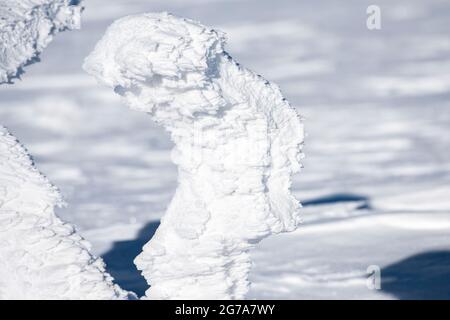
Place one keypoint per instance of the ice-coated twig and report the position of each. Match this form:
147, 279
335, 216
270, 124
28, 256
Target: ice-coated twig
238, 142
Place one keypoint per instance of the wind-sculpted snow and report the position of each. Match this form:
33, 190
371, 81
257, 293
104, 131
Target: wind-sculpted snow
40, 256
27, 27
237, 139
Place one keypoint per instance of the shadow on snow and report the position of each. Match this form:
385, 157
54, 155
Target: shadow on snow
119, 260
421, 276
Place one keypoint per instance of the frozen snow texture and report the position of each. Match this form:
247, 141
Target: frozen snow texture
40, 256
28, 26
237, 139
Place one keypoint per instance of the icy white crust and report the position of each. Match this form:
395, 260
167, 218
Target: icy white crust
237, 139
40, 256
27, 27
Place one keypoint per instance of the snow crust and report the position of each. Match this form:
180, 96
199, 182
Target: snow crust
27, 27
41, 257
238, 142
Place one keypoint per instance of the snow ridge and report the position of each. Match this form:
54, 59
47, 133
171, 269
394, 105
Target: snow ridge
238, 142
41, 257
27, 27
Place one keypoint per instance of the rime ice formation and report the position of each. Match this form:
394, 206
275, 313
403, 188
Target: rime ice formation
40, 256
27, 27
237, 139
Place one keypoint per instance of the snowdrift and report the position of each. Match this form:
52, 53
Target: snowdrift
238, 141
27, 27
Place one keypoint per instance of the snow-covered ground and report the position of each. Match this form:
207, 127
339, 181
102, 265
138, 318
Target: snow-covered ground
376, 182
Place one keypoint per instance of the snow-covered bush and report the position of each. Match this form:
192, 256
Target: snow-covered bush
237, 139
27, 27
41, 257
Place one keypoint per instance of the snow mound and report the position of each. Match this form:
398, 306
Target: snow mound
41, 257
238, 142
27, 27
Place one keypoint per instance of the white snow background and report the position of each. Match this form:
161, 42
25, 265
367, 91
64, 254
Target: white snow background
375, 186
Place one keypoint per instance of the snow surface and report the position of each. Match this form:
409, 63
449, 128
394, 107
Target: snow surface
375, 187
27, 27
237, 143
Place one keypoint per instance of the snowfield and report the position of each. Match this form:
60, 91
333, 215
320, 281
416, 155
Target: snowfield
375, 187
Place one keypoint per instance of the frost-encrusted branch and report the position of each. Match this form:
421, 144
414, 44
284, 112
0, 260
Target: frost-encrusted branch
27, 27
237, 139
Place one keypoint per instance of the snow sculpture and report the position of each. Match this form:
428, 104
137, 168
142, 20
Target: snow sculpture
40, 256
237, 139
27, 27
